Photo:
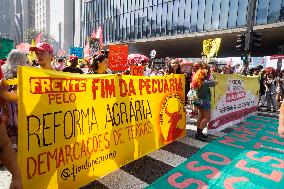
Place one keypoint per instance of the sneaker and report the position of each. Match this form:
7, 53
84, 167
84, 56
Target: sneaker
200, 138
203, 135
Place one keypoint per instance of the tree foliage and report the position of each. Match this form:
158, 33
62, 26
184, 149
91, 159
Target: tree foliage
31, 34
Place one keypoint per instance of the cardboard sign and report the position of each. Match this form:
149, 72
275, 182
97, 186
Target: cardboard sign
137, 70
80, 127
77, 51
117, 57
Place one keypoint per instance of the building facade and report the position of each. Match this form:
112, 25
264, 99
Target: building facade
15, 17
28, 14
42, 15
131, 20
59, 18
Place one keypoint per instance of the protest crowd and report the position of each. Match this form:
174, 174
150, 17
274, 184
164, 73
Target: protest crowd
198, 81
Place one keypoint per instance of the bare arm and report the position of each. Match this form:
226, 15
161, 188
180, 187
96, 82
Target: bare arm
9, 96
8, 157
5, 94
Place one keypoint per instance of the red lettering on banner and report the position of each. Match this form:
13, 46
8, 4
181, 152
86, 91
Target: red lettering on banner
131, 88
266, 159
89, 152
68, 150
74, 150
49, 156
245, 130
261, 119
229, 117
95, 88
276, 176
41, 85
228, 183
272, 133
39, 161
186, 183
225, 160
242, 136
107, 88
160, 85
257, 125
29, 167
65, 155
257, 145
273, 140
154, 82
228, 141
234, 96
61, 98
215, 172
60, 158
83, 149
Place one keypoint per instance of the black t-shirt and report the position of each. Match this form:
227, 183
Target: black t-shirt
73, 70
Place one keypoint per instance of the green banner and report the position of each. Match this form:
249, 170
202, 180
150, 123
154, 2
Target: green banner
251, 156
6, 45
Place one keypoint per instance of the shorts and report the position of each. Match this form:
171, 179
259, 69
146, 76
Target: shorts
203, 104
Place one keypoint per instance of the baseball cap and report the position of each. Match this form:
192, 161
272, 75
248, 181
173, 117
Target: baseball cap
73, 57
43, 47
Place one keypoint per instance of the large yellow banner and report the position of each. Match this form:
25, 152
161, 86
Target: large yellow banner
76, 128
233, 99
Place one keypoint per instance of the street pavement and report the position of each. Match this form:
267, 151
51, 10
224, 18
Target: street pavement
144, 171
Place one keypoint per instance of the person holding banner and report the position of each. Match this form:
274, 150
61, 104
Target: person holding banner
99, 64
73, 67
202, 100
44, 53
9, 93
175, 67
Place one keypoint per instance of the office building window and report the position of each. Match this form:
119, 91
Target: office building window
216, 14
242, 13
282, 11
224, 13
124, 20
274, 11
233, 13
262, 11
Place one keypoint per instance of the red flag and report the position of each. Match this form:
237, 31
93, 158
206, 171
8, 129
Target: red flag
38, 38
98, 35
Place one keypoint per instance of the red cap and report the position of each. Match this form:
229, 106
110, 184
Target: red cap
43, 47
73, 57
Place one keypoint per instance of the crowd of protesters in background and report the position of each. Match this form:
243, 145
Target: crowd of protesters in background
197, 77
